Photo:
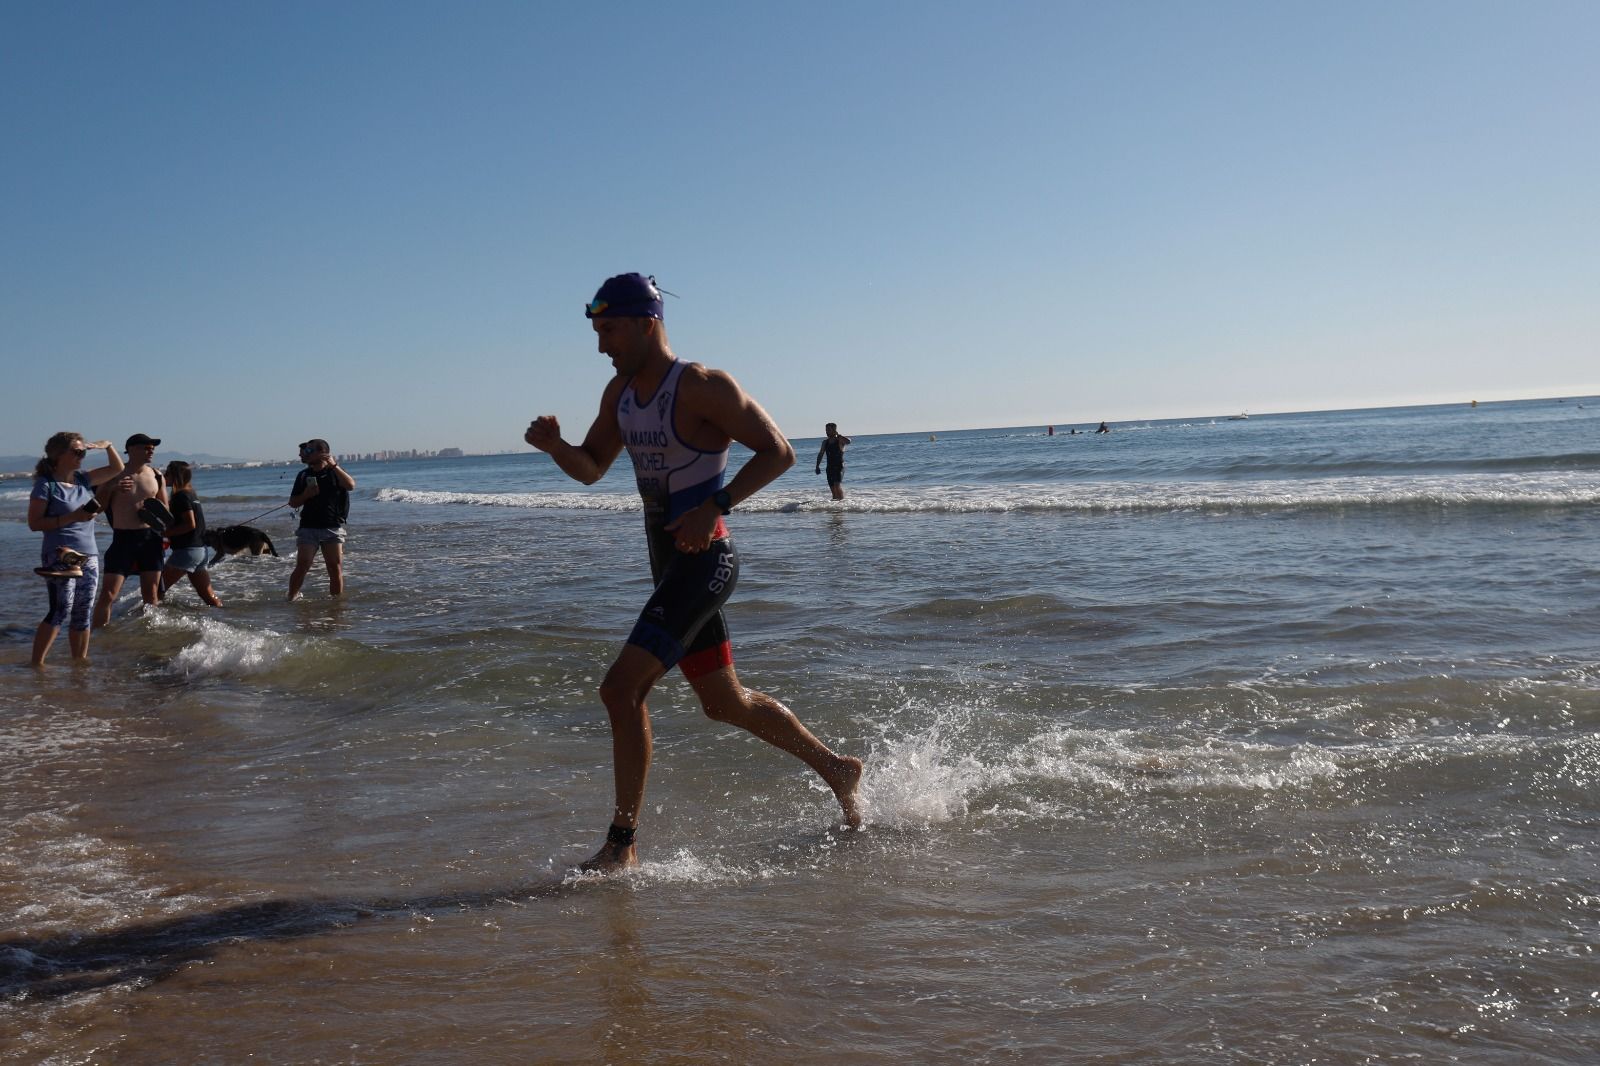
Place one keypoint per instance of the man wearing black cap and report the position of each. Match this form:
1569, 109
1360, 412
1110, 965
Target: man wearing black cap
677, 419
136, 546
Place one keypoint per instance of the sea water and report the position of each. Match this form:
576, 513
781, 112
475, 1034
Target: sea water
1208, 741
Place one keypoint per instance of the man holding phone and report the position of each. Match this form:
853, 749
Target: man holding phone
322, 493
136, 546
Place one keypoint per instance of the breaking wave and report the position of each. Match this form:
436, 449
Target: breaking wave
1550, 490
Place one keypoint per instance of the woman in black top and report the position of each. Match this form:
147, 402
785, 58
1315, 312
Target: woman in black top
186, 535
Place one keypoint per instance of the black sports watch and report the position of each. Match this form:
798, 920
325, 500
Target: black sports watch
723, 501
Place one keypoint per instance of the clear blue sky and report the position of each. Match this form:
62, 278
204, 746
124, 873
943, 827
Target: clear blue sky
238, 225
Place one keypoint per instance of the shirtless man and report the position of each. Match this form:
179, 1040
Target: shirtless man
677, 419
135, 547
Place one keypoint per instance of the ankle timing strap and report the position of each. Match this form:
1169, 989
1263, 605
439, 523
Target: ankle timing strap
620, 835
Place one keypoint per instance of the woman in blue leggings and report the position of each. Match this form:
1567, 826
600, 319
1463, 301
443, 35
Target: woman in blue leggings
62, 506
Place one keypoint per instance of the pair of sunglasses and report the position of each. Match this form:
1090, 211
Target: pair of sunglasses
80, 452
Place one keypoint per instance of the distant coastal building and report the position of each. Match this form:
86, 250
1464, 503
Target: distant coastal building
389, 455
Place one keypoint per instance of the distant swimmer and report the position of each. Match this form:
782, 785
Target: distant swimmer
1103, 428
677, 420
1049, 431
833, 446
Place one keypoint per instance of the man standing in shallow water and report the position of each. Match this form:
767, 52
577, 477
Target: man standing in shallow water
322, 492
832, 449
677, 419
136, 547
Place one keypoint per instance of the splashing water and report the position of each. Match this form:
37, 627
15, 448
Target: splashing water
224, 650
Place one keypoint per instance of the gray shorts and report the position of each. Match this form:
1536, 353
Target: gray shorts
310, 538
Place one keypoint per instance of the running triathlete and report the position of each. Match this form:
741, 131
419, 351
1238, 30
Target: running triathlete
676, 420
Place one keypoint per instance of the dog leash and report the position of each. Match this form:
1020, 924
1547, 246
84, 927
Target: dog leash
263, 514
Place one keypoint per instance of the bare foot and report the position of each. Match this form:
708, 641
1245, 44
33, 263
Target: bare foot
845, 780
611, 858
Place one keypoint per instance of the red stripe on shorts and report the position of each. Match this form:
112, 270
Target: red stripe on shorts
706, 662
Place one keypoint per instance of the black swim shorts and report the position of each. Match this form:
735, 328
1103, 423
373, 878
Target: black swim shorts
134, 551
682, 623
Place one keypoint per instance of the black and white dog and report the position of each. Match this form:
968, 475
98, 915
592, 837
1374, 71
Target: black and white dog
233, 540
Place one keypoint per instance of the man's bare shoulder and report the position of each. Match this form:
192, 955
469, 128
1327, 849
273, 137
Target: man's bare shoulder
726, 409
700, 381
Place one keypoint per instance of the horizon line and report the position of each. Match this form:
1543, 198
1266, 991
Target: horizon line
1583, 395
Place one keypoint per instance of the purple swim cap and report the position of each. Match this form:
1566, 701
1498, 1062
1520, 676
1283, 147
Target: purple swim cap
626, 296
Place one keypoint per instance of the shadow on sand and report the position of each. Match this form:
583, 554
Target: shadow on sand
49, 967
45, 968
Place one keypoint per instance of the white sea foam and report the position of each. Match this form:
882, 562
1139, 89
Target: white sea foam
685, 867
948, 771
704, 865
573, 501
1547, 489
1126, 761
221, 649
77, 878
